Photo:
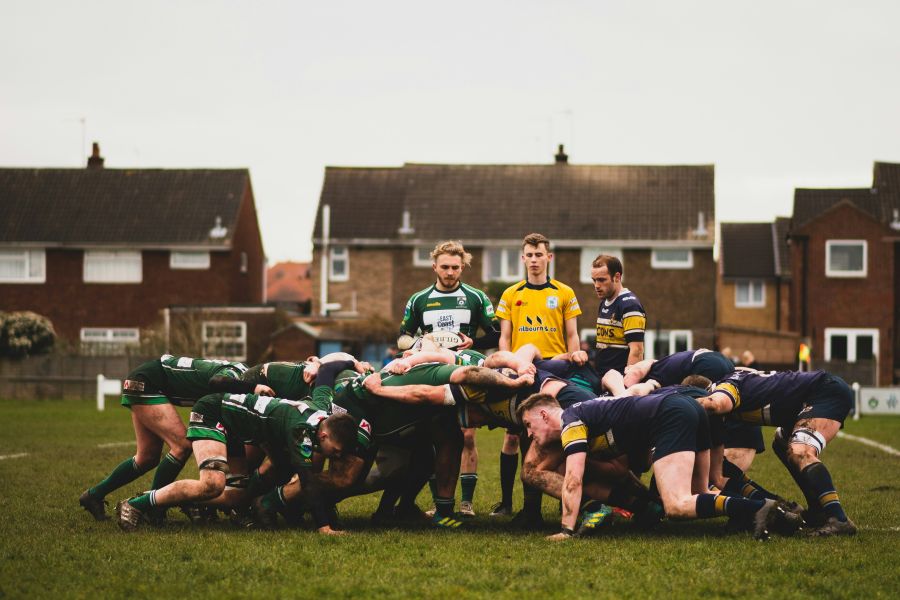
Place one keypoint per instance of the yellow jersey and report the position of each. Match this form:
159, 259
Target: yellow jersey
538, 314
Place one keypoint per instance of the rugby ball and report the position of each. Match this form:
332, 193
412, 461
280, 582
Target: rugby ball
446, 339
405, 342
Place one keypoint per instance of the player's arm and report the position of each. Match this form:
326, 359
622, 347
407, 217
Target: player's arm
402, 365
224, 383
573, 342
411, 322
489, 323
409, 394
635, 352
571, 494
634, 322
504, 358
341, 472
505, 341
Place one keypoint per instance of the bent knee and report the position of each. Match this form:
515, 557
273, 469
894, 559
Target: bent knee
145, 461
683, 508
211, 486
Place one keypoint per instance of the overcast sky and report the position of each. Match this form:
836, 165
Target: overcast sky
776, 94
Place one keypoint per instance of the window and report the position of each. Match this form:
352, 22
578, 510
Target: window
845, 258
422, 256
589, 253
226, 340
658, 344
672, 258
189, 260
122, 266
22, 266
850, 345
108, 341
339, 263
750, 293
503, 264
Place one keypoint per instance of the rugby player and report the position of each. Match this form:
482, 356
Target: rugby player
290, 431
667, 422
541, 311
151, 392
808, 409
295, 380
620, 318
450, 305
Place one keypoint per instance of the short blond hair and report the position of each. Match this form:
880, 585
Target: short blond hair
536, 239
535, 401
453, 248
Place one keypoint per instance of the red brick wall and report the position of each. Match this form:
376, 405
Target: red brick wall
847, 302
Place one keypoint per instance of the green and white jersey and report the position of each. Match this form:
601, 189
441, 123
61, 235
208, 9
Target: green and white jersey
187, 379
469, 357
287, 380
462, 310
286, 425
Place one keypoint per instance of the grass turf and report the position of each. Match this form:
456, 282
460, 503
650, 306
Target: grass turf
50, 547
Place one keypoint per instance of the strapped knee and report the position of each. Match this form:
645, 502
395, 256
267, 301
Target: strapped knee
809, 437
216, 463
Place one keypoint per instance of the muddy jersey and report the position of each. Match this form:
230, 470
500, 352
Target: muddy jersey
617, 426
462, 310
768, 398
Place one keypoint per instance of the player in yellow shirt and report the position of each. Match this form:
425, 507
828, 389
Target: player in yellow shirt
540, 311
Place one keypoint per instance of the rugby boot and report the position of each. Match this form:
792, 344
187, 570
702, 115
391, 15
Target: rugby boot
95, 506
787, 521
241, 517
764, 519
466, 510
446, 522
500, 510
834, 527
410, 513
265, 518
128, 517
527, 520
593, 515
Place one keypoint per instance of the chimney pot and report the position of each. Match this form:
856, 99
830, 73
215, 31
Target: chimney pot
95, 161
561, 157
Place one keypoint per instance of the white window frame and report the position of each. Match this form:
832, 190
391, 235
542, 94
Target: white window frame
418, 261
242, 339
829, 272
123, 255
852, 333
110, 335
750, 303
199, 260
589, 253
505, 274
336, 253
650, 340
33, 260
657, 262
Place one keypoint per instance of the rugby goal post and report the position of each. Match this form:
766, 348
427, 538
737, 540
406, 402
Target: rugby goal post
106, 387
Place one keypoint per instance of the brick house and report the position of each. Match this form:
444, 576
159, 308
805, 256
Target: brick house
846, 276
105, 252
383, 222
753, 292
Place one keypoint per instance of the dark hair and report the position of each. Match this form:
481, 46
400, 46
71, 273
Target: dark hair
536, 239
697, 381
533, 401
612, 264
342, 430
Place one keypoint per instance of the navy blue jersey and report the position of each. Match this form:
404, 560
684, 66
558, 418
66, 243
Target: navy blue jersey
613, 427
672, 369
582, 375
618, 322
767, 398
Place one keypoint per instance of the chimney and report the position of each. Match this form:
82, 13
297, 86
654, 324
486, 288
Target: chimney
95, 161
561, 157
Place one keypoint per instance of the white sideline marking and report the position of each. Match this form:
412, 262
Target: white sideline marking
114, 444
868, 442
20, 455
880, 528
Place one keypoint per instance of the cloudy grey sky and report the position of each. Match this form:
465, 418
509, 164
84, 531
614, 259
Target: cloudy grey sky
777, 94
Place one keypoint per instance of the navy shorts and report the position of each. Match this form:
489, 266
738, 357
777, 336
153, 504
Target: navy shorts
712, 365
744, 435
680, 425
832, 399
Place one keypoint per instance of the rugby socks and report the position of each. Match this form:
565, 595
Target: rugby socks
817, 484
274, 500
812, 499
467, 483
144, 502
443, 506
509, 464
533, 498
711, 505
167, 471
739, 484
126, 472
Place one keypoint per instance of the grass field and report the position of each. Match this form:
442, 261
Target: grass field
51, 548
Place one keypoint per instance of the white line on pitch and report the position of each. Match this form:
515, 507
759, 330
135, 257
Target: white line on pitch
115, 444
20, 455
868, 442
880, 528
